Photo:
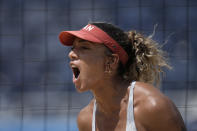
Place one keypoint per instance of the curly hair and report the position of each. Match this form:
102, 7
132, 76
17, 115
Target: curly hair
149, 60
146, 58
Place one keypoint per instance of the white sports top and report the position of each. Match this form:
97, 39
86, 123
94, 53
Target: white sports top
130, 113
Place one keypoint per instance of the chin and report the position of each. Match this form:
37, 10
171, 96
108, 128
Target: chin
81, 89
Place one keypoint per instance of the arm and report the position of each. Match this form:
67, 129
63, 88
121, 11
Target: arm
84, 119
82, 122
158, 113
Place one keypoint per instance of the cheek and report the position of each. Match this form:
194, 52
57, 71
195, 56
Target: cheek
93, 69
94, 62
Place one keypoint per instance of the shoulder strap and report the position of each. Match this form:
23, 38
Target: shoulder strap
130, 112
94, 116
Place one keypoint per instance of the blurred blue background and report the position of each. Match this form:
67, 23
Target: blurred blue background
36, 90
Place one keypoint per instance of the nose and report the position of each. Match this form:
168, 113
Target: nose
72, 55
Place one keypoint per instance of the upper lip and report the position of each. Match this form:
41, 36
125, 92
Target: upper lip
73, 65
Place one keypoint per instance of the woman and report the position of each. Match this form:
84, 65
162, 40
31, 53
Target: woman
119, 69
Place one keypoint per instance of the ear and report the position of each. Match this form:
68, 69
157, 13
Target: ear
112, 61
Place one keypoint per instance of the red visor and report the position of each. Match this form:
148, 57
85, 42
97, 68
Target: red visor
94, 34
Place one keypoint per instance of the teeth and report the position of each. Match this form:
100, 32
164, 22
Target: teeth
73, 66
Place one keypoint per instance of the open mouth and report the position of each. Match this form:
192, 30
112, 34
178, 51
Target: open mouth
76, 72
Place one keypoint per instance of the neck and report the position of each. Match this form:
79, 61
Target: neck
109, 96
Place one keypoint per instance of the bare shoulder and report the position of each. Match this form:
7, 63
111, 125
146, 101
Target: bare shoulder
154, 110
84, 119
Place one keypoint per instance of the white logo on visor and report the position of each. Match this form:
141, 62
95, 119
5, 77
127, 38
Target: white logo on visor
88, 27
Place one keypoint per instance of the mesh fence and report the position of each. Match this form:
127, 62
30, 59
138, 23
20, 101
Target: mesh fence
36, 90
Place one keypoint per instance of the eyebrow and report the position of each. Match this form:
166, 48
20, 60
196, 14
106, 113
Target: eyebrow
86, 42
82, 40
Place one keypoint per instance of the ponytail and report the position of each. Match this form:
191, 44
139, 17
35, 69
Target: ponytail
147, 60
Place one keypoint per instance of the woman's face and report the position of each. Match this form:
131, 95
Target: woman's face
87, 61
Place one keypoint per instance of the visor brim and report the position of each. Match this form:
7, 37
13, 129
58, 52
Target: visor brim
67, 37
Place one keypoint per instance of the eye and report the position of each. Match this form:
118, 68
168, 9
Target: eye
84, 48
